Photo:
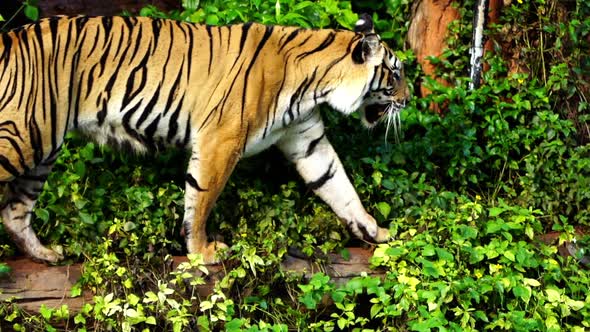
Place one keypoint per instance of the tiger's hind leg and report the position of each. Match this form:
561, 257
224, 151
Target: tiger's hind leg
19, 199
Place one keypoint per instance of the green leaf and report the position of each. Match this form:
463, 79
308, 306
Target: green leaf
86, 218
234, 325
309, 301
46, 312
345, 254
510, 255
494, 226
496, 211
429, 269
31, 12
76, 290
428, 250
377, 177
445, 255
4, 269
79, 319
384, 209
522, 292
212, 19
80, 168
553, 295
191, 5
133, 299
42, 214
388, 184
375, 309
394, 251
338, 296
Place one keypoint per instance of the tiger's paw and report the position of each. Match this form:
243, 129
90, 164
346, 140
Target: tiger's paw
383, 235
211, 252
41, 253
366, 228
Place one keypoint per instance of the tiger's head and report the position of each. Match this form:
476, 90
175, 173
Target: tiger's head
386, 92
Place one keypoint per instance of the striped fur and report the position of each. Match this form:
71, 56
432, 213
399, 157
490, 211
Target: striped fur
219, 92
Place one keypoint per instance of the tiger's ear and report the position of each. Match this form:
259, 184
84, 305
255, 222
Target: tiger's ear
369, 49
364, 24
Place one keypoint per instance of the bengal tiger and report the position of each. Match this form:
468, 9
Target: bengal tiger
220, 92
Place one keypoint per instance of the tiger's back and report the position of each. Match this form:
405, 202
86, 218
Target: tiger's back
146, 83
220, 92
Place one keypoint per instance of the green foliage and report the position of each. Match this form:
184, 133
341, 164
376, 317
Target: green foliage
319, 14
465, 195
4, 269
29, 8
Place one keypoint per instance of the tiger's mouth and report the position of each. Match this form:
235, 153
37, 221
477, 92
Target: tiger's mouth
373, 113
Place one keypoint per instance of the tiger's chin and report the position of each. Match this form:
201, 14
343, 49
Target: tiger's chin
372, 114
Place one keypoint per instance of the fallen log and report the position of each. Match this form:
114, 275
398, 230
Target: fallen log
32, 284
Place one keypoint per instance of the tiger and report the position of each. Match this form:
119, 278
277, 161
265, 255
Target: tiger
221, 93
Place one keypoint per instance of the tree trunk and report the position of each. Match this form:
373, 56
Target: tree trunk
427, 34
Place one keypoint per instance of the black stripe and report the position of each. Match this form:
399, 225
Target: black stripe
7, 44
267, 33
336, 61
245, 28
300, 44
129, 95
36, 140
193, 182
246, 137
16, 148
228, 38
291, 36
191, 38
314, 185
12, 131
173, 123
68, 40
327, 42
208, 28
313, 144
156, 27
147, 110
74, 102
276, 101
187, 133
223, 100
172, 92
23, 74
129, 21
137, 43
96, 35
150, 130
7, 165
131, 131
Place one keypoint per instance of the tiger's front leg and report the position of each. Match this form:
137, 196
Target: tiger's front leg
306, 145
210, 166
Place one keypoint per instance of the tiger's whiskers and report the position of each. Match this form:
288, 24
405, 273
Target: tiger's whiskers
393, 120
